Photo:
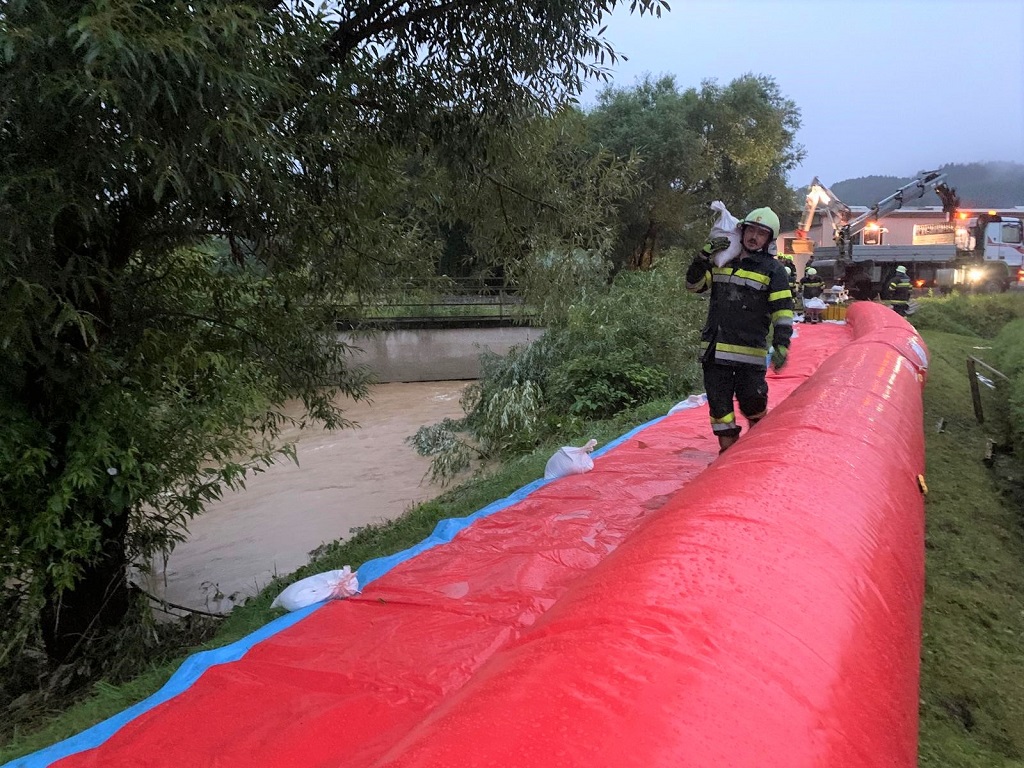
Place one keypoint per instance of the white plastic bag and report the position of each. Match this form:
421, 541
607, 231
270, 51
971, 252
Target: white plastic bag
815, 303
726, 225
693, 401
570, 461
330, 585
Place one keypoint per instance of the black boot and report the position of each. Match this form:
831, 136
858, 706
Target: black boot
725, 442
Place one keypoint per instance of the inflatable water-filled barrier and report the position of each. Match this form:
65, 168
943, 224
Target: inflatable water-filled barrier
669, 608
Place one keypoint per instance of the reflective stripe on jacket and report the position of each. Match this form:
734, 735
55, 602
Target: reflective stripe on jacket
899, 287
750, 298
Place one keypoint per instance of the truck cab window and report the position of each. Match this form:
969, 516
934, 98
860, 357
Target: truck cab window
873, 235
1011, 234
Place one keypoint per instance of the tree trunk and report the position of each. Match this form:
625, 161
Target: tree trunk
98, 601
643, 255
99, 598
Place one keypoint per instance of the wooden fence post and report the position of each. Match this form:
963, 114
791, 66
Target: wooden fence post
972, 376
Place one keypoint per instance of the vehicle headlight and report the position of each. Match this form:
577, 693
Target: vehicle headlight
976, 274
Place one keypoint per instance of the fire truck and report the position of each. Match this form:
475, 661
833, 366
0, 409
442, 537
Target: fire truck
974, 252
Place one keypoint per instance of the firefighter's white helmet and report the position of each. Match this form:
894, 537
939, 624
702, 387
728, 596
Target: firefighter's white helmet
764, 217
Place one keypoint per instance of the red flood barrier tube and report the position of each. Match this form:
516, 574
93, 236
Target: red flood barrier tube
768, 615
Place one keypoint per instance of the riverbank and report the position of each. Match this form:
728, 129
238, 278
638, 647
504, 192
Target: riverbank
343, 481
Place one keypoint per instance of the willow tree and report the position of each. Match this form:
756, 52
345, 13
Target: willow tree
187, 190
735, 143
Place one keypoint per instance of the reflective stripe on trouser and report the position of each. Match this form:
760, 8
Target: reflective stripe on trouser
726, 424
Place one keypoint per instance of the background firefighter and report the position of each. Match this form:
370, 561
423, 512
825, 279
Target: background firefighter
900, 290
811, 287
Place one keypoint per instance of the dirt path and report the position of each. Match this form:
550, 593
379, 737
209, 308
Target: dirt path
344, 479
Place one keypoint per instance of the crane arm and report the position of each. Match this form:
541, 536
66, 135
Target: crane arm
950, 199
915, 190
819, 194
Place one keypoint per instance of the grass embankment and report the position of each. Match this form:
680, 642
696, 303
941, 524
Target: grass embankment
972, 685
972, 696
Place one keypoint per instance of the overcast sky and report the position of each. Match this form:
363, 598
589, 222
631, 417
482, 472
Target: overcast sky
884, 87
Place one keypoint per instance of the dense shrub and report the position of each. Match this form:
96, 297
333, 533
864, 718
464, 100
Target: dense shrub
650, 314
981, 315
601, 386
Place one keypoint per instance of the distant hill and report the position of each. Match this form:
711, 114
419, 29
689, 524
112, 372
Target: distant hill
980, 185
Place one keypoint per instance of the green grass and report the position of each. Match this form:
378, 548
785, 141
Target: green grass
972, 685
972, 688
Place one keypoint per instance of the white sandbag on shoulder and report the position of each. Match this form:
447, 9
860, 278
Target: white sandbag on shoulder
728, 226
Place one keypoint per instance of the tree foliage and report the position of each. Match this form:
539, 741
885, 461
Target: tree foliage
734, 143
189, 194
542, 215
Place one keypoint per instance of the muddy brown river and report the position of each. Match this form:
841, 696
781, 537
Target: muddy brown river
344, 479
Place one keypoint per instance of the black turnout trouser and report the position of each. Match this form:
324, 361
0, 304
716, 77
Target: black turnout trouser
746, 383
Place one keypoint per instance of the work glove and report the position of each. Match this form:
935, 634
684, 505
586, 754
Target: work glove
779, 357
713, 246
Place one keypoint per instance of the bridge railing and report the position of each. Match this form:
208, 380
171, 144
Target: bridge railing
443, 300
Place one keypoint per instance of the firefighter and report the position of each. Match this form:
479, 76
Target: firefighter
787, 262
811, 287
750, 297
899, 291
791, 277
